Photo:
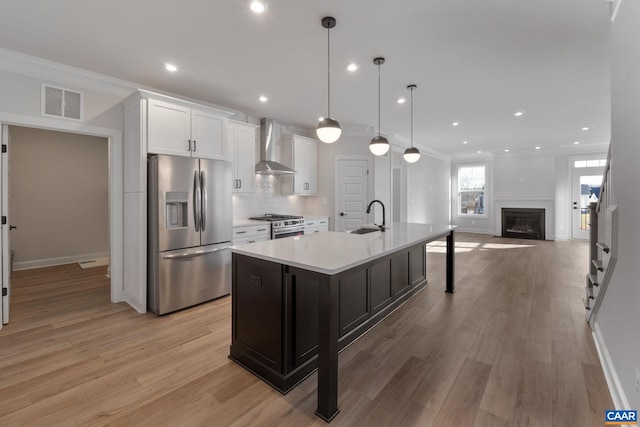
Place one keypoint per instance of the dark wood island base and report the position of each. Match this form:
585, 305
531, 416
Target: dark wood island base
288, 321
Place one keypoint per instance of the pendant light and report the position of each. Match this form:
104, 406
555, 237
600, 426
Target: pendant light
412, 154
328, 129
379, 145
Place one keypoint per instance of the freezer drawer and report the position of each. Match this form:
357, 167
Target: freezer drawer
183, 278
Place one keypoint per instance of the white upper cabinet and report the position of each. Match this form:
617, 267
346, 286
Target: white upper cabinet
185, 131
301, 154
208, 134
241, 139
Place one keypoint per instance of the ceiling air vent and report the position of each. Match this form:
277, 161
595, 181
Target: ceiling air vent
60, 102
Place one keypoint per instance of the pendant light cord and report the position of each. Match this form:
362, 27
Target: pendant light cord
328, 74
411, 117
379, 99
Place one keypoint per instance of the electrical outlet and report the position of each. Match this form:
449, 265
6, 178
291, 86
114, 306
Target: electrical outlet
638, 380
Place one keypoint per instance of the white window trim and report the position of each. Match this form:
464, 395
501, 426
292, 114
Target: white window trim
487, 206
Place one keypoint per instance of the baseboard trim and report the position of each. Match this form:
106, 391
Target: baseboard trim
615, 388
50, 262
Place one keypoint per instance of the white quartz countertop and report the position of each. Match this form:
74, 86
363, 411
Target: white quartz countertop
333, 252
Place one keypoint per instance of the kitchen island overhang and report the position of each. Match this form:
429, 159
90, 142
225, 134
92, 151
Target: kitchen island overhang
297, 301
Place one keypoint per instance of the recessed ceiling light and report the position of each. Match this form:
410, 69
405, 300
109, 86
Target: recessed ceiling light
352, 67
518, 113
465, 142
585, 128
455, 124
257, 6
170, 67
479, 151
263, 98
401, 100
538, 147
506, 150
576, 143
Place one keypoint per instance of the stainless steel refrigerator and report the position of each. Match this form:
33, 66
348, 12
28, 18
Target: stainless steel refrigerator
189, 231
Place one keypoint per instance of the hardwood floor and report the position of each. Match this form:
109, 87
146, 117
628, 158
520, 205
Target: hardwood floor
509, 348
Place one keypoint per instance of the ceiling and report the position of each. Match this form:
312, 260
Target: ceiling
474, 62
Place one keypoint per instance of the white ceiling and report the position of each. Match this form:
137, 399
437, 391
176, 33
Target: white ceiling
474, 61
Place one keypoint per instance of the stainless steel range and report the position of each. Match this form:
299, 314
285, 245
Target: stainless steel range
283, 225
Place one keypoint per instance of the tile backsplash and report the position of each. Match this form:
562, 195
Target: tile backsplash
267, 199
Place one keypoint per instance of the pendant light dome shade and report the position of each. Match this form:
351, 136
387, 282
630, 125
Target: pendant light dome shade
328, 130
379, 145
411, 154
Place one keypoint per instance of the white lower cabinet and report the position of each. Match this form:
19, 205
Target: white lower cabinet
316, 225
251, 234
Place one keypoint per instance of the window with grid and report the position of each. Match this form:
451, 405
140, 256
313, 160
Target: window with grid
471, 190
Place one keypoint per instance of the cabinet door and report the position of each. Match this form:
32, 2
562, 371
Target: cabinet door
400, 274
418, 265
242, 153
305, 159
311, 166
207, 134
169, 128
246, 159
354, 301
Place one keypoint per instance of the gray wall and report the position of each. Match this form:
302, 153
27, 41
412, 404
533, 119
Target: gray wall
619, 316
59, 196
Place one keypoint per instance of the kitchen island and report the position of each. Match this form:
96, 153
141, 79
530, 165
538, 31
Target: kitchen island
297, 301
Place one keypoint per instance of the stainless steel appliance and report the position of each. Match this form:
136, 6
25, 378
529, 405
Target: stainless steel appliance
189, 231
283, 225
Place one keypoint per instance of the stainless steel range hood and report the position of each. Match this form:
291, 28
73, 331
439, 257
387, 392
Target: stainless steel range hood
269, 136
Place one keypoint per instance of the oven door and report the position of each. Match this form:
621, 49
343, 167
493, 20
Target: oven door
287, 232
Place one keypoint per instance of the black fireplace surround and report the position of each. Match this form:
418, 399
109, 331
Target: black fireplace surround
523, 223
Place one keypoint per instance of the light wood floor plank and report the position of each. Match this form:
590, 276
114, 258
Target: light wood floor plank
509, 348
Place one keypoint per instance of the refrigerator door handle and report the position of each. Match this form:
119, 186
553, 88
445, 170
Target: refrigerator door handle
197, 200
195, 253
203, 212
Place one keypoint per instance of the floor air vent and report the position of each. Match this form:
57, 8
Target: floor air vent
60, 102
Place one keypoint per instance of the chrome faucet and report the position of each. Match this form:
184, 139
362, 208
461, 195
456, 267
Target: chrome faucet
383, 214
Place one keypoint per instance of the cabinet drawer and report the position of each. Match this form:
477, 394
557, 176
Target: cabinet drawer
251, 239
252, 230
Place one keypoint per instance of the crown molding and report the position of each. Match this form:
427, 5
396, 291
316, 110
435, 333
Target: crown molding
583, 149
44, 69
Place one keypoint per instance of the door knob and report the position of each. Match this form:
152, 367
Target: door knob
343, 214
11, 227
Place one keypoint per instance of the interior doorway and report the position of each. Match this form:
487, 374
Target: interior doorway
58, 198
116, 217
352, 192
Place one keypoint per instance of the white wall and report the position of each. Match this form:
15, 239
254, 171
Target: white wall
59, 197
619, 316
428, 190
21, 95
530, 175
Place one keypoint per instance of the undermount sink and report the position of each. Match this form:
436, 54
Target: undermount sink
364, 230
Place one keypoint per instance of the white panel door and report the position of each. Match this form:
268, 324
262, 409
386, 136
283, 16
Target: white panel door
352, 193
4, 208
585, 188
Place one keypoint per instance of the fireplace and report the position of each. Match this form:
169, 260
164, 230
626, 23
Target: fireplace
523, 223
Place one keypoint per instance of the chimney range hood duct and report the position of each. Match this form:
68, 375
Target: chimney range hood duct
269, 136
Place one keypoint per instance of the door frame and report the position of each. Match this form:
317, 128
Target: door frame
116, 187
338, 183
